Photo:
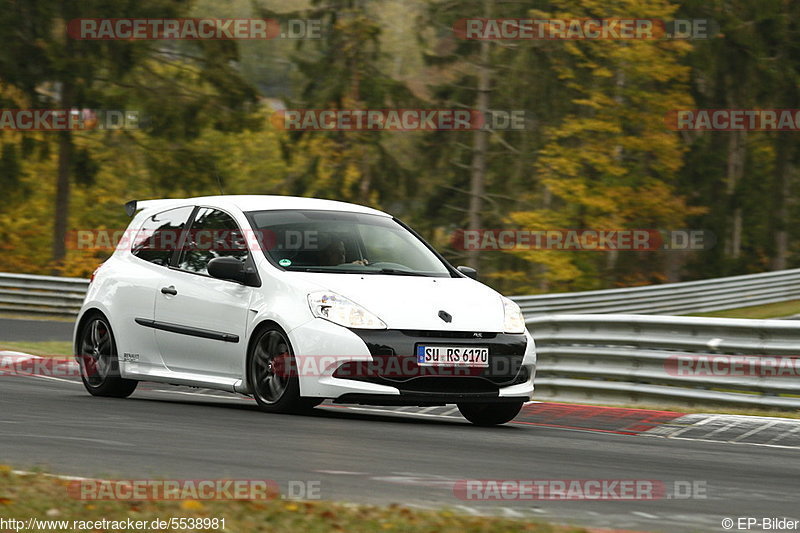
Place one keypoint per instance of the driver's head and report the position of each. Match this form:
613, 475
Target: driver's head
334, 253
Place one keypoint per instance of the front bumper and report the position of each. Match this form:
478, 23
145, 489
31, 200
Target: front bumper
429, 399
378, 367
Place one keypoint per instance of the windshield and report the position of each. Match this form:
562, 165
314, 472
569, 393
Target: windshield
340, 242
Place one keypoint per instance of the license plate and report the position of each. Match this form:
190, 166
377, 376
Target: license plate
453, 356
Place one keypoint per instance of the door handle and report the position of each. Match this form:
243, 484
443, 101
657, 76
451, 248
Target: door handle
169, 290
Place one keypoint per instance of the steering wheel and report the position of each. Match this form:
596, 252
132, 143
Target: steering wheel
387, 264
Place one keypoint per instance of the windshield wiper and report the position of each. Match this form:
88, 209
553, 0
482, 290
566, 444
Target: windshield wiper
391, 271
322, 269
398, 272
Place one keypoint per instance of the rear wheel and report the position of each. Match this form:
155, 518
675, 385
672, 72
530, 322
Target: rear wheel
99, 365
490, 414
272, 374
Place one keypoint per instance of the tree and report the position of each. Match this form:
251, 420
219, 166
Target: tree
611, 164
751, 63
474, 176
53, 70
342, 70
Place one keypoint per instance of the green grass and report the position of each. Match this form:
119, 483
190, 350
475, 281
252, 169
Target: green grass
776, 310
42, 348
46, 498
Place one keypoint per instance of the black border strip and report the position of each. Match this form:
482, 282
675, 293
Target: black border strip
188, 330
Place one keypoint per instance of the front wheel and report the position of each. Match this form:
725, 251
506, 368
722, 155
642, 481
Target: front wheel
272, 374
490, 414
99, 365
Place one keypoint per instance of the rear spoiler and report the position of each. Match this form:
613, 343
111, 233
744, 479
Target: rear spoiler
135, 205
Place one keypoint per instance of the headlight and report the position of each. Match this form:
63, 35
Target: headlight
340, 310
513, 322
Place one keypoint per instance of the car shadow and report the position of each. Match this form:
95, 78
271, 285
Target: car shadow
327, 410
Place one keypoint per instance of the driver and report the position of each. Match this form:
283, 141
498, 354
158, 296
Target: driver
335, 254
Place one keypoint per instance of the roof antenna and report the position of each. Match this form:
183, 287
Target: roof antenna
219, 183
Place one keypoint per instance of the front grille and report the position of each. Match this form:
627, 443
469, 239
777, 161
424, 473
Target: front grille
423, 333
431, 379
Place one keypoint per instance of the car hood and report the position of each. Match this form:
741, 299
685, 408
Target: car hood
412, 302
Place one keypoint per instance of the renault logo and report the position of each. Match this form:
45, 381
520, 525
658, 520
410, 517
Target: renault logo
447, 317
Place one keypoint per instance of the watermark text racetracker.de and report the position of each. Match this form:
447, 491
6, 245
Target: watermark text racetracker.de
579, 489
220, 240
733, 120
398, 119
68, 119
718, 365
192, 489
54, 367
641, 240
617, 29
192, 29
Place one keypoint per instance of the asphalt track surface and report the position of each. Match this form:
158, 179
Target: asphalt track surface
410, 456
381, 457
14, 329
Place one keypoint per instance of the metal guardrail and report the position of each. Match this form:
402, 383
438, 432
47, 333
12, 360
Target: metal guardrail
27, 293
44, 295
672, 298
630, 359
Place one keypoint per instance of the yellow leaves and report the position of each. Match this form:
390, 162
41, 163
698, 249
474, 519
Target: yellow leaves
291, 506
608, 165
603, 72
249, 162
343, 169
192, 505
538, 14
656, 205
533, 220
352, 174
551, 265
6, 471
588, 102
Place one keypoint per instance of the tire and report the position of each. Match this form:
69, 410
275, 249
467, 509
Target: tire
272, 374
98, 361
490, 414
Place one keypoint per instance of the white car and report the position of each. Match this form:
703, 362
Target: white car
294, 301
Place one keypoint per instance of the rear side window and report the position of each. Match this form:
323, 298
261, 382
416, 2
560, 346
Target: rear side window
160, 235
213, 234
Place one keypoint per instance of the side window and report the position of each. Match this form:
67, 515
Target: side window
158, 237
213, 234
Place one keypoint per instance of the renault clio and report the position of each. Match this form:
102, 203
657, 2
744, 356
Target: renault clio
295, 301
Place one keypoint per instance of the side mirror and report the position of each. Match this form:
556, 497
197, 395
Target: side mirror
227, 268
468, 271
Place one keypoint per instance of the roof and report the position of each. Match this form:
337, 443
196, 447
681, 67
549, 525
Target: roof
257, 203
